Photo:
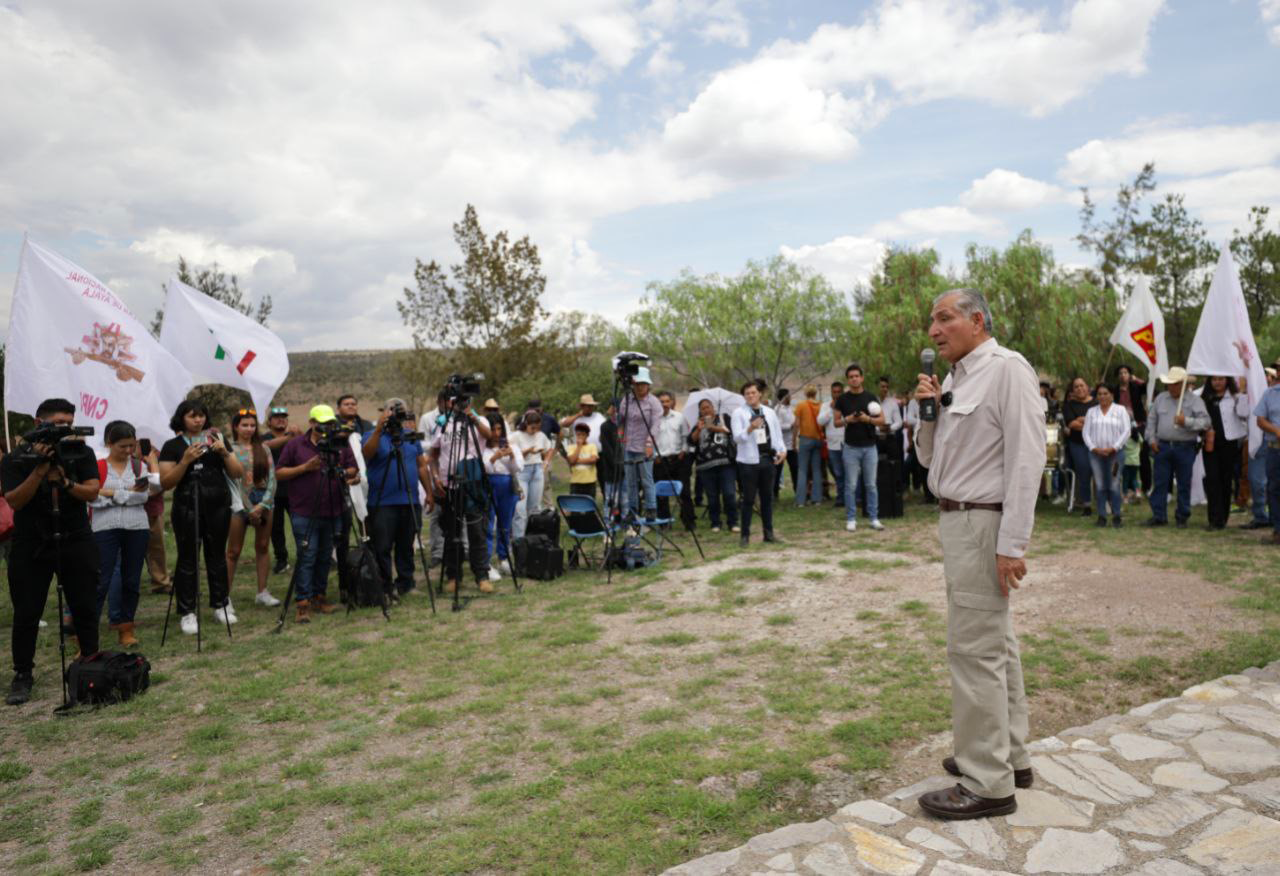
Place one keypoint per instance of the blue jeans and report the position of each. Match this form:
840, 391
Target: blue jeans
809, 470
314, 539
835, 462
1079, 455
1172, 460
633, 462
1106, 482
531, 482
501, 512
1273, 485
125, 551
721, 485
1258, 484
860, 461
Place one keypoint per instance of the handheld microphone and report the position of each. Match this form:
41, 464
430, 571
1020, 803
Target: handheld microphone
928, 406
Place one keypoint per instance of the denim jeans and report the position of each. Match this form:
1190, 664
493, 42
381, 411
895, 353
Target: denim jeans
835, 462
860, 461
721, 484
809, 470
1079, 455
1258, 484
634, 462
1173, 460
501, 513
530, 478
313, 537
1273, 486
124, 550
1106, 482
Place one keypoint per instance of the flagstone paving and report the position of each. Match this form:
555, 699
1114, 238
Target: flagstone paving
1186, 786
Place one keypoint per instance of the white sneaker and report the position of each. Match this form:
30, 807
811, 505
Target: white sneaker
224, 617
851, 526
231, 612
715, 529
188, 624
266, 599
494, 574
876, 525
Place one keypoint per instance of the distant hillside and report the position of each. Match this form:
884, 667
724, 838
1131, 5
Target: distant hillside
321, 376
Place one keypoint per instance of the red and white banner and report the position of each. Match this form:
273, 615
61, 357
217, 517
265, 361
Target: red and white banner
221, 345
71, 337
1141, 332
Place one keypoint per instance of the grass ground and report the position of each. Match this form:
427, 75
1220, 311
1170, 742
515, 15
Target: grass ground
586, 727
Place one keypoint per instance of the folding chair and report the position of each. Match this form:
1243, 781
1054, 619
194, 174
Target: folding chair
585, 523
671, 490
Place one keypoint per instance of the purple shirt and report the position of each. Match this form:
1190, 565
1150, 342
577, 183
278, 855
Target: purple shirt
313, 494
634, 419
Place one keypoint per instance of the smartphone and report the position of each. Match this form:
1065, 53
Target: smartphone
144, 445
140, 482
502, 442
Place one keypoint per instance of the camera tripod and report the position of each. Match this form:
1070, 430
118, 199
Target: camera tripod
58, 537
197, 468
468, 485
403, 482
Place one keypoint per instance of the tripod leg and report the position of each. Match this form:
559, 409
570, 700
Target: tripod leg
62, 646
165, 633
697, 543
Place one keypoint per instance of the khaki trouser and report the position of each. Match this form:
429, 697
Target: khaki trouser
157, 566
988, 703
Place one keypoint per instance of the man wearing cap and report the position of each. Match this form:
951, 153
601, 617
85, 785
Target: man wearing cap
638, 419
1174, 425
396, 467
1268, 414
985, 453
315, 504
281, 433
588, 414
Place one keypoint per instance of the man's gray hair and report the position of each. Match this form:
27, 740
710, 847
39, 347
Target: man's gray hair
968, 302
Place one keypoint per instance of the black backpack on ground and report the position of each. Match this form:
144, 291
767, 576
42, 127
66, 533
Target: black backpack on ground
632, 554
107, 677
545, 524
365, 587
535, 556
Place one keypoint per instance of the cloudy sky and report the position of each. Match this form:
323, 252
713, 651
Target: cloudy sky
316, 148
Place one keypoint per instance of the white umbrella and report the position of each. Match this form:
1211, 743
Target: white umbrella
724, 401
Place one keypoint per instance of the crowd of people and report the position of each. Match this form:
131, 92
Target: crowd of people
471, 479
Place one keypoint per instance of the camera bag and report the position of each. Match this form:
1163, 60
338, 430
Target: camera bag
632, 555
546, 524
107, 677
535, 556
364, 584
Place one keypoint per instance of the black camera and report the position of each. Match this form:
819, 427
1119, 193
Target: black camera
627, 365
55, 436
395, 425
333, 437
460, 386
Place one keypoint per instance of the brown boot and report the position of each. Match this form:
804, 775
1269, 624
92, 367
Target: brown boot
304, 612
166, 588
320, 605
450, 586
127, 638
484, 585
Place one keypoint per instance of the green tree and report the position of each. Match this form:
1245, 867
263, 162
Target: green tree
1257, 253
775, 320
219, 287
484, 312
1175, 252
1117, 243
893, 315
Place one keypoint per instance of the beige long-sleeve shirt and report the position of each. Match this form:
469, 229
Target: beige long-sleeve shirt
988, 445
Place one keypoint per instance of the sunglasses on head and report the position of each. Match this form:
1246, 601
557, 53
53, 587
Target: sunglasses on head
246, 412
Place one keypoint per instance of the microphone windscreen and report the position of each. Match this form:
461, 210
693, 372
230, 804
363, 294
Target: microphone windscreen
926, 359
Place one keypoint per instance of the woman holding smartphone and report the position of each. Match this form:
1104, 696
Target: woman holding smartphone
196, 463
257, 498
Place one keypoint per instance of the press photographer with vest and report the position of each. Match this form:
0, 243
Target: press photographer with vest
38, 478
196, 464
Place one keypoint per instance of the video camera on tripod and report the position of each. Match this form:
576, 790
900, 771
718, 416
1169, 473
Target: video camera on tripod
461, 387
64, 441
333, 437
395, 429
627, 365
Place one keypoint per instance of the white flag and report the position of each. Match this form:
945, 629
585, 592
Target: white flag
1224, 344
221, 345
1141, 332
71, 337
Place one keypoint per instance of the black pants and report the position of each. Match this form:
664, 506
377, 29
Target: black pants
757, 479
673, 468
1218, 469
455, 520
1144, 468
792, 460
32, 565
279, 546
583, 489
391, 529
215, 524
341, 545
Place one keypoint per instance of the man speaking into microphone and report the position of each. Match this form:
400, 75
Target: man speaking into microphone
985, 453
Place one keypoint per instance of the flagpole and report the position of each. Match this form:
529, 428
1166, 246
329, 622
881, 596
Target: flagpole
1182, 394
8, 445
1110, 356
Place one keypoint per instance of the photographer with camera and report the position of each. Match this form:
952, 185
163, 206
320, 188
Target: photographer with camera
48, 482
196, 465
638, 419
457, 485
396, 465
314, 465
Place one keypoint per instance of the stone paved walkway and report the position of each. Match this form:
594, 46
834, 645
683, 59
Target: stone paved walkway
1179, 787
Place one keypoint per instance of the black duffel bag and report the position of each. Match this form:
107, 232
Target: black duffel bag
365, 587
107, 677
545, 524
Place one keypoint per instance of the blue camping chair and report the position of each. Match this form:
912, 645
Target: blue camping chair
585, 524
671, 490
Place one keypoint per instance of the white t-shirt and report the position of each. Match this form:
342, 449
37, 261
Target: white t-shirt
532, 447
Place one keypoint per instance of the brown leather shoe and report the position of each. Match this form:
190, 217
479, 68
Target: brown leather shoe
127, 638
484, 586
1021, 778
304, 612
320, 605
959, 803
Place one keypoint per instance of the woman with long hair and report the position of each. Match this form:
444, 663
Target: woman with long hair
1074, 408
196, 464
503, 463
1229, 412
121, 528
1106, 432
535, 449
257, 498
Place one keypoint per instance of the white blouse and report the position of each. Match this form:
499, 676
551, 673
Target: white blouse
1107, 430
508, 465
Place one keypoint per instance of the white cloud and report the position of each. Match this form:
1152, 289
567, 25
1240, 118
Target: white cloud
1004, 190
846, 261
1270, 10
1176, 151
936, 221
661, 64
1223, 201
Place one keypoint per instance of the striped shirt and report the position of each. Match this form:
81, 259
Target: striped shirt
1107, 430
124, 509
